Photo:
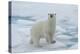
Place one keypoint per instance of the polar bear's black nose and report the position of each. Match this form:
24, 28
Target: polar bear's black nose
51, 16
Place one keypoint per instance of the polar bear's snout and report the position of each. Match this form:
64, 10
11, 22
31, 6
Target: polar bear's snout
51, 15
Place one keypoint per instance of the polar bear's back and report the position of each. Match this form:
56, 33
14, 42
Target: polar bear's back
38, 28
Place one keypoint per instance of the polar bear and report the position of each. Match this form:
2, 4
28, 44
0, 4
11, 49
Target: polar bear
44, 29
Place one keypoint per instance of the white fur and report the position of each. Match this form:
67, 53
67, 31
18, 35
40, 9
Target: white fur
44, 29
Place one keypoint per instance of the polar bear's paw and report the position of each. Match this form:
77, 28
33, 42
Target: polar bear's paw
53, 41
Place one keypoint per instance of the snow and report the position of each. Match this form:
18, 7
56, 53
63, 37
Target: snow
66, 27
21, 38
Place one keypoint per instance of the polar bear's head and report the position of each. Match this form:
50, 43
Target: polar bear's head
51, 16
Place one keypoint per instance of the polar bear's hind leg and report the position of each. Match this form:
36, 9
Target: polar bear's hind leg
31, 41
36, 41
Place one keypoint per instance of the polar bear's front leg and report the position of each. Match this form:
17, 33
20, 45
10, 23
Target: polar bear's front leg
49, 38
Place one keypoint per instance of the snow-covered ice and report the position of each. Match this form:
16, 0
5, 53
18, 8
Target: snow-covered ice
21, 38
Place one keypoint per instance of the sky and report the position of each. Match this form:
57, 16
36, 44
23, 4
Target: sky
41, 9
